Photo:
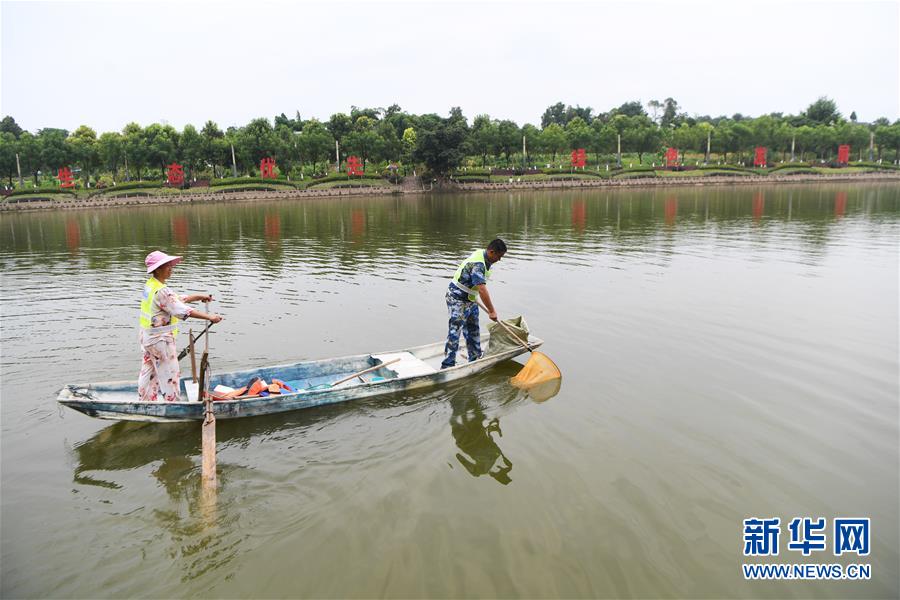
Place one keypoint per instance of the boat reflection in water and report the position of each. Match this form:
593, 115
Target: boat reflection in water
126, 446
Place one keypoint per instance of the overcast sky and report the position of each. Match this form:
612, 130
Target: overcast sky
105, 64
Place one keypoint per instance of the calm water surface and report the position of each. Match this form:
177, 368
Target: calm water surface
727, 353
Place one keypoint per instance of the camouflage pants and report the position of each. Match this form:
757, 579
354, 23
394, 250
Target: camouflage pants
463, 315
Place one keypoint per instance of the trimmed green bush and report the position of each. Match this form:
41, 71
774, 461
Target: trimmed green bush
875, 165
725, 168
341, 177
42, 190
574, 172
131, 185
243, 180
793, 165
635, 174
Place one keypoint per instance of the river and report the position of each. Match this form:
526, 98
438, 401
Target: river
727, 353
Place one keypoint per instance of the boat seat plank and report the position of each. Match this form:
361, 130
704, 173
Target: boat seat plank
409, 365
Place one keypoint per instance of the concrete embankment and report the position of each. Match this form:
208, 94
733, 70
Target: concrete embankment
674, 181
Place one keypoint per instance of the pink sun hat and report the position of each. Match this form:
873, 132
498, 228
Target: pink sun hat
157, 258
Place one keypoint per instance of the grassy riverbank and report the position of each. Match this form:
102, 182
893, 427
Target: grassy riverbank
148, 193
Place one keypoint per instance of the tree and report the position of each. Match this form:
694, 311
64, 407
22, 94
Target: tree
316, 142
554, 139
684, 138
8, 155
578, 133
29, 150
482, 137
804, 137
823, 111
532, 137
191, 147
372, 113
642, 136
656, 108
742, 137
9, 125
554, 114
584, 113
853, 116
851, 133
603, 139
216, 150
630, 109
508, 138
704, 133
55, 153
161, 145
364, 139
763, 131
784, 135
440, 144
256, 141
83, 142
339, 125
109, 150
670, 111
409, 145
391, 148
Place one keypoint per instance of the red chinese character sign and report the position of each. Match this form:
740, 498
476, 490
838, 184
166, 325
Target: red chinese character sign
175, 175
65, 178
579, 158
844, 154
760, 159
267, 168
354, 167
671, 157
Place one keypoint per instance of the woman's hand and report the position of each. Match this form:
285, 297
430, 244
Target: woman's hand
214, 318
205, 297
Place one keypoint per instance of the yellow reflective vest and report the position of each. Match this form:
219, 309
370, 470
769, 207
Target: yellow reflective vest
475, 257
152, 286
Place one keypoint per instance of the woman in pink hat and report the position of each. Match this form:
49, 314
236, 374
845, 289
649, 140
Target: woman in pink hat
161, 309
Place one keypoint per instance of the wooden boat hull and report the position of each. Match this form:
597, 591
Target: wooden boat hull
118, 400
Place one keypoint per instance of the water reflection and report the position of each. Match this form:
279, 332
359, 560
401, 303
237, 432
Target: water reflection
474, 434
73, 236
277, 231
126, 446
840, 204
579, 215
357, 223
181, 231
541, 392
759, 206
671, 210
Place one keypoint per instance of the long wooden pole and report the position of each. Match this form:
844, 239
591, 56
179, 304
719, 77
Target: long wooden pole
208, 436
364, 371
193, 356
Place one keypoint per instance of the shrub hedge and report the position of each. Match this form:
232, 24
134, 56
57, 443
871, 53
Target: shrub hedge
340, 177
42, 190
243, 180
793, 165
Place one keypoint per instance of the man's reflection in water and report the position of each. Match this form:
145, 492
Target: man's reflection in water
474, 436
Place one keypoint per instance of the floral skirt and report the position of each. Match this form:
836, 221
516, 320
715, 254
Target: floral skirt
159, 371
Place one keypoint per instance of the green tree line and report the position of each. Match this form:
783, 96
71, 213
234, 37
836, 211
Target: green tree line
378, 136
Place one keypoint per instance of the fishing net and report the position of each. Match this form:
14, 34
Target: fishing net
539, 367
501, 340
